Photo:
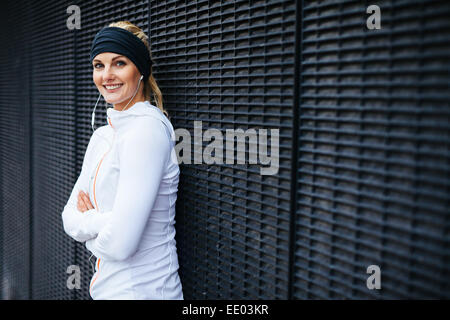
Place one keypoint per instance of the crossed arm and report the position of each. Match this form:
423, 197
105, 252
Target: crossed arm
115, 235
143, 156
81, 221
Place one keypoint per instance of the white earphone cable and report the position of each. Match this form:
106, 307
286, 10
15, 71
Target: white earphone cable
106, 107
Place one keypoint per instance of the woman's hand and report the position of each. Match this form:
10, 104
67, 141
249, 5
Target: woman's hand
84, 204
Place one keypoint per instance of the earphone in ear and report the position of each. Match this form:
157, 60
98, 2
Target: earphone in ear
141, 77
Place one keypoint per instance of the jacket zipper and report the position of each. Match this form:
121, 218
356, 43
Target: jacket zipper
95, 200
92, 283
99, 165
95, 179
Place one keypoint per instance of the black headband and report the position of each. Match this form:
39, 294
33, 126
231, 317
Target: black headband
121, 41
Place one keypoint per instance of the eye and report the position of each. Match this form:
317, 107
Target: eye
99, 64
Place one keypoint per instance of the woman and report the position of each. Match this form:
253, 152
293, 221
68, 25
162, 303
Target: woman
123, 203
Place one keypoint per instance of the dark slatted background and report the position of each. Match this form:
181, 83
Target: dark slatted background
363, 120
15, 142
230, 66
53, 147
373, 164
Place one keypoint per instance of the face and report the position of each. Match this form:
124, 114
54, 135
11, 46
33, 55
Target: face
117, 78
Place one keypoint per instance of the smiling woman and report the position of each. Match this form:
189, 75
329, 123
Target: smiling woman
131, 59
116, 78
123, 203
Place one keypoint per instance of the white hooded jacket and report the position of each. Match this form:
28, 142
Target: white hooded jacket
131, 173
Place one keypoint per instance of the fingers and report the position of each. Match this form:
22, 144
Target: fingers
87, 201
80, 203
84, 203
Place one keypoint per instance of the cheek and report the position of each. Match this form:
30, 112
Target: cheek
97, 79
128, 75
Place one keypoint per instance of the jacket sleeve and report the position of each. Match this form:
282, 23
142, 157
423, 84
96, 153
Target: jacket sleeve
82, 226
143, 155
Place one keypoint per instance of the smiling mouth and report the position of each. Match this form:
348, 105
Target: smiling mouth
111, 88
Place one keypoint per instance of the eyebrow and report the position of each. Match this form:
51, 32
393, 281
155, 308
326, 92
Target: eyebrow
117, 57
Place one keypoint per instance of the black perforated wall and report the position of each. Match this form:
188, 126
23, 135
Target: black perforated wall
373, 151
364, 144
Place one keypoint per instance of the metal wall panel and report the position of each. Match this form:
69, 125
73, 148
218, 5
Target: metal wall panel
15, 154
53, 168
3, 58
363, 119
229, 65
373, 166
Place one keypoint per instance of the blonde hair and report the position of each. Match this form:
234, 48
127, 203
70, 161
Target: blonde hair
150, 87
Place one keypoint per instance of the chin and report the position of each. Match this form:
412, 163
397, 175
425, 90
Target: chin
113, 101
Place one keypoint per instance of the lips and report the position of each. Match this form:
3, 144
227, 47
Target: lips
115, 86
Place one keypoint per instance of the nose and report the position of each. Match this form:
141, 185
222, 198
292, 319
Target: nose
108, 74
